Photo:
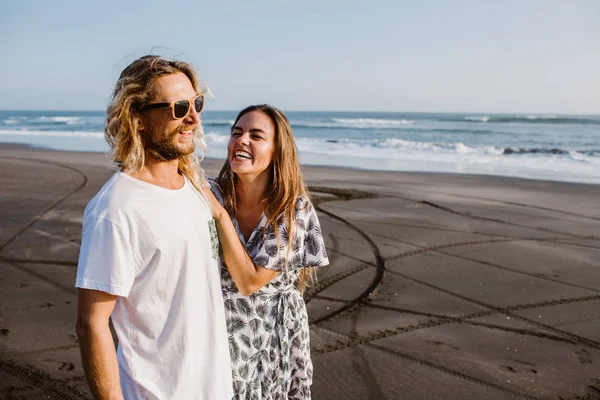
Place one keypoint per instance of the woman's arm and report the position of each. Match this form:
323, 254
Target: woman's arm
248, 277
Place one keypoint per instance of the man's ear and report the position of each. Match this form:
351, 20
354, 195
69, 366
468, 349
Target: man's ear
139, 121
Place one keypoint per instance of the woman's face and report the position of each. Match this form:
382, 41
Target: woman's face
251, 145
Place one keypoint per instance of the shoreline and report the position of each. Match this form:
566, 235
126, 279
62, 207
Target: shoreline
452, 175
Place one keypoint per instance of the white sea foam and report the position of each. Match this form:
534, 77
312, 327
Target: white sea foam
382, 154
394, 154
374, 147
484, 118
63, 120
536, 117
26, 132
397, 154
60, 119
54, 120
350, 122
217, 122
215, 138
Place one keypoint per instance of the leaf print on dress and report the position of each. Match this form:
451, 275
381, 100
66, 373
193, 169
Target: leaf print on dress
258, 342
256, 325
245, 340
235, 324
284, 235
243, 306
262, 260
298, 220
269, 333
244, 371
312, 245
296, 260
270, 235
274, 341
272, 249
255, 237
261, 310
234, 351
214, 239
230, 306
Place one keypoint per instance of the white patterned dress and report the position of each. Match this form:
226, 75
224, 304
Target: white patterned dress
268, 330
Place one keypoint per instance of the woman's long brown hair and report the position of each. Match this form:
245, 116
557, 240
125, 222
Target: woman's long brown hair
285, 186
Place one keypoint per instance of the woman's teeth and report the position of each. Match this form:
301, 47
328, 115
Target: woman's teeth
243, 154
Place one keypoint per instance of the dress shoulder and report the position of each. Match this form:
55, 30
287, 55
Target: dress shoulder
304, 248
216, 190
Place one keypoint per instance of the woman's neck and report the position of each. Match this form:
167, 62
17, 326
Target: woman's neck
250, 192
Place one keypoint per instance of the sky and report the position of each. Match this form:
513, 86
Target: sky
511, 56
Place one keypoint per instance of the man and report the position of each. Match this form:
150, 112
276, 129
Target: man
148, 254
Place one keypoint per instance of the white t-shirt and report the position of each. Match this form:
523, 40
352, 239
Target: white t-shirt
154, 248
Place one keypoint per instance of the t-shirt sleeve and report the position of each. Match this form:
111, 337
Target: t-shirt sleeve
105, 260
307, 247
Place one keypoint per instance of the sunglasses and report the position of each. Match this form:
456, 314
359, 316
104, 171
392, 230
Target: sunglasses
179, 108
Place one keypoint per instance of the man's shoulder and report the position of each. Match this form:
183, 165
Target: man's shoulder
111, 201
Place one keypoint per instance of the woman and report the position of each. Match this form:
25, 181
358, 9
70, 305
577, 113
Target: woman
266, 260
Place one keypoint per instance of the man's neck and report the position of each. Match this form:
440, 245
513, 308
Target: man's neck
161, 173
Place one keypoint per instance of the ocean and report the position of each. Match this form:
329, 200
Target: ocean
549, 147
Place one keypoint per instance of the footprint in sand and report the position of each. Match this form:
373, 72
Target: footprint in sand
527, 363
67, 367
439, 343
514, 371
584, 356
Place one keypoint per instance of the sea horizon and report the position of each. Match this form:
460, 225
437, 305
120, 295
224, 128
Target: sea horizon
520, 113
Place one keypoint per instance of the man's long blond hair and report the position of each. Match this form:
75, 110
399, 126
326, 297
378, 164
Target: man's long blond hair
136, 87
286, 183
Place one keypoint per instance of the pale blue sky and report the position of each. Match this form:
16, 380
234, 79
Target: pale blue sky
526, 56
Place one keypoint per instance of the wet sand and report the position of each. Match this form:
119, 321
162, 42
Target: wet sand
440, 286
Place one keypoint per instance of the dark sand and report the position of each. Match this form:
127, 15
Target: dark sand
441, 286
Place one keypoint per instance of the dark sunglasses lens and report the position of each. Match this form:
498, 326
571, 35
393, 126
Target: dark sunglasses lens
180, 108
199, 104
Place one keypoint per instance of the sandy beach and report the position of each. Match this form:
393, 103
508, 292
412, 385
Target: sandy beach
440, 286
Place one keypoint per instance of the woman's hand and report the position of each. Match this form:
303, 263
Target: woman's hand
248, 277
218, 211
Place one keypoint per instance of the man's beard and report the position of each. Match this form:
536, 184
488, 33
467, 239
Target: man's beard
167, 148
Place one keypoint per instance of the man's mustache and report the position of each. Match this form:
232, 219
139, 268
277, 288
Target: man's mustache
184, 128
